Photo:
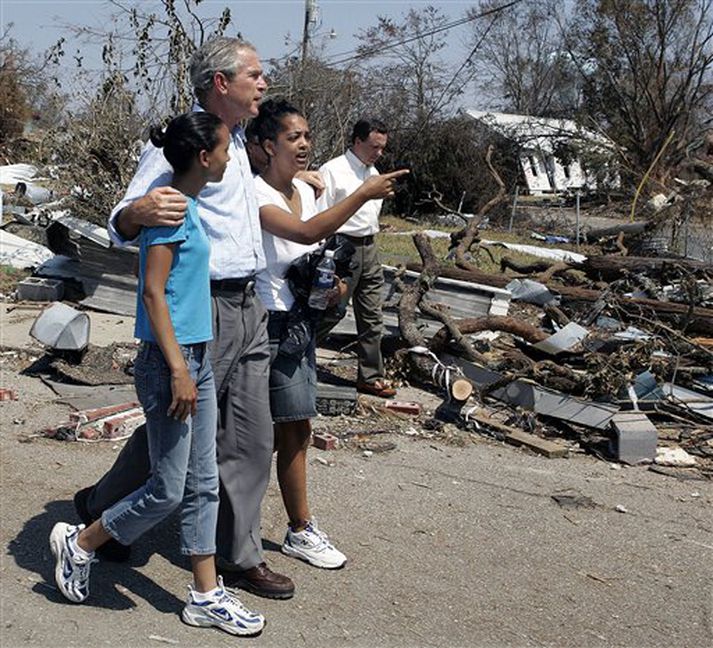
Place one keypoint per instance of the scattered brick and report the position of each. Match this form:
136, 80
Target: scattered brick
407, 407
89, 433
90, 415
324, 441
8, 394
122, 425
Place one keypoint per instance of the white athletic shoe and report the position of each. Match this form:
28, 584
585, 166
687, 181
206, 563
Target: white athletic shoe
223, 611
313, 546
71, 572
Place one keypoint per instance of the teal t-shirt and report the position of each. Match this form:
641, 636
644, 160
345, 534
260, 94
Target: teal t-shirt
188, 284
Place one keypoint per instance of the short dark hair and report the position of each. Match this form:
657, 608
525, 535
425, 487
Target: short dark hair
365, 126
268, 123
185, 137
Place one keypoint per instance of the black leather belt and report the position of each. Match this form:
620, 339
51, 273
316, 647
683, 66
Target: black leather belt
359, 240
244, 284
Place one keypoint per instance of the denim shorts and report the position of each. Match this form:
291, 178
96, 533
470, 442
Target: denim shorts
293, 381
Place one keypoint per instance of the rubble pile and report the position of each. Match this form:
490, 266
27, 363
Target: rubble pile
613, 351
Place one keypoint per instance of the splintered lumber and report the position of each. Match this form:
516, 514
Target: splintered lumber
521, 438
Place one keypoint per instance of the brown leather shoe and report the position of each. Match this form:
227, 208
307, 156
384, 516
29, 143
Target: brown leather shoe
378, 388
259, 580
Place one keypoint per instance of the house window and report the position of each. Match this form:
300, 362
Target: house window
567, 173
533, 164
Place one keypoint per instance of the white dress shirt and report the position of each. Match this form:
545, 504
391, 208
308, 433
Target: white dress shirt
342, 176
271, 285
227, 209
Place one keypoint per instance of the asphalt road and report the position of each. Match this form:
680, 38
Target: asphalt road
447, 546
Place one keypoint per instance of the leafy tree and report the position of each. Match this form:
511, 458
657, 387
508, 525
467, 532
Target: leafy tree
647, 69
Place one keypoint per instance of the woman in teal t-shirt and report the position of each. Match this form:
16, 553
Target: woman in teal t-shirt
174, 382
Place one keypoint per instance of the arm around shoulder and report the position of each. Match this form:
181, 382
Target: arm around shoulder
149, 200
162, 206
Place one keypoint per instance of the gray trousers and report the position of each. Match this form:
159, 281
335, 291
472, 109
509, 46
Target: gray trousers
240, 357
365, 289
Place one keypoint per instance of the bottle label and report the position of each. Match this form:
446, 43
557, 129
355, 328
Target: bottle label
323, 279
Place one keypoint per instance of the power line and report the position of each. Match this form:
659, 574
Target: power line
354, 54
437, 104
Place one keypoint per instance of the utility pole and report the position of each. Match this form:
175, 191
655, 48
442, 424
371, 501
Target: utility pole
310, 19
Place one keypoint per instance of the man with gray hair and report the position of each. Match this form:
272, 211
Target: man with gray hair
228, 81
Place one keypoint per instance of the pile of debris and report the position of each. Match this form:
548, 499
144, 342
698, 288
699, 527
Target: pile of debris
614, 351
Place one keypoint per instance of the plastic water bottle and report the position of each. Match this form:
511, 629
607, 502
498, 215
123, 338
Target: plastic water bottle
323, 282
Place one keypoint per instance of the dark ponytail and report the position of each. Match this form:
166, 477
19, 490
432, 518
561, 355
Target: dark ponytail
157, 136
185, 137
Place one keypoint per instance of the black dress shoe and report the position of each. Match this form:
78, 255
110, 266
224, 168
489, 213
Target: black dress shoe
111, 550
259, 580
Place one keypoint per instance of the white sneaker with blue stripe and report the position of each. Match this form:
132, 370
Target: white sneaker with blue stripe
312, 545
223, 611
71, 572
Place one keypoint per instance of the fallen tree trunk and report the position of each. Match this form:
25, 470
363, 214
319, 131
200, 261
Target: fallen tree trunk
609, 267
700, 320
426, 368
488, 323
625, 228
473, 276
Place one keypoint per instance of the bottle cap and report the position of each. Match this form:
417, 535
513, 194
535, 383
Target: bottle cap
329, 253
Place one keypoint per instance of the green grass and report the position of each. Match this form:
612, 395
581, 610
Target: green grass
398, 249
10, 277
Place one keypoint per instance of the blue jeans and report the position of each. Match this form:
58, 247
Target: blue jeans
184, 470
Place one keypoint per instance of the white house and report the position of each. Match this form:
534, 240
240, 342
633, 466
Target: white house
538, 138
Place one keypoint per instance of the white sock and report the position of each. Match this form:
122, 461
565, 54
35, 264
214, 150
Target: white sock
82, 554
201, 597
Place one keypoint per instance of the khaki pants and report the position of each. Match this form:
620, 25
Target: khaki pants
365, 289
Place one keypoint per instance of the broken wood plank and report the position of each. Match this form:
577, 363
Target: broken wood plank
521, 438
